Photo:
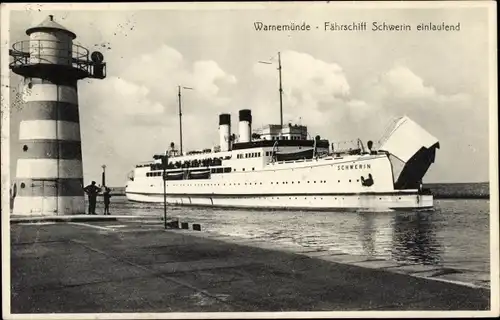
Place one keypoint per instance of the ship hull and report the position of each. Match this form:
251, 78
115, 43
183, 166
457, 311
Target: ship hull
404, 200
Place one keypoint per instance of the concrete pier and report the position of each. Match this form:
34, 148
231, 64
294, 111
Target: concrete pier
129, 265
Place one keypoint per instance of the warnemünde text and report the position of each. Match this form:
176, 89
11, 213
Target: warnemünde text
377, 26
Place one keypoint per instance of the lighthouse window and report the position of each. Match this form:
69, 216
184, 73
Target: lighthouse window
25, 148
23, 185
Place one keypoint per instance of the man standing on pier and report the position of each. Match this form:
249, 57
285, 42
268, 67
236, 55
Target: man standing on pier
92, 190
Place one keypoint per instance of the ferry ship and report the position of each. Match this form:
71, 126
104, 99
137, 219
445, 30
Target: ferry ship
282, 167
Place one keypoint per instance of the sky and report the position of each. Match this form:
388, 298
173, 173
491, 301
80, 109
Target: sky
343, 85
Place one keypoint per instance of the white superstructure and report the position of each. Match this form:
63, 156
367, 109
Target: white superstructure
281, 168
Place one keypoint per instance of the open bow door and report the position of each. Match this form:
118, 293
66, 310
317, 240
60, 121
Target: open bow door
415, 147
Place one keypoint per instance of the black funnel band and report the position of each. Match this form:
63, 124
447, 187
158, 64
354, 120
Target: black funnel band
246, 115
224, 119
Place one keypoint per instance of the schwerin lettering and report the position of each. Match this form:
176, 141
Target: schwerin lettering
353, 166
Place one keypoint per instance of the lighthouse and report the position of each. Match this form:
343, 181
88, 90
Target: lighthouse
49, 174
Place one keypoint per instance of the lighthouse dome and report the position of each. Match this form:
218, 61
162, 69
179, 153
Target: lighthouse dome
49, 25
51, 43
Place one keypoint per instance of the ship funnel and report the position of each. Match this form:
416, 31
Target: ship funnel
225, 131
245, 125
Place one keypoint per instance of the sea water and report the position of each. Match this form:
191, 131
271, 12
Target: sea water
454, 236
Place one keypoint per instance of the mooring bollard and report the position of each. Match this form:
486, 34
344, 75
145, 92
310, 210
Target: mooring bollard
184, 225
196, 227
173, 224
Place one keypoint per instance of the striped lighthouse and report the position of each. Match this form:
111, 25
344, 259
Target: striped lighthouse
49, 174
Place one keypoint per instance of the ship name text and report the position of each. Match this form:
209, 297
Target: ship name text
353, 166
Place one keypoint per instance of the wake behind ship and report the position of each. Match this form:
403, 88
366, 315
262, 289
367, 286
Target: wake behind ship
282, 168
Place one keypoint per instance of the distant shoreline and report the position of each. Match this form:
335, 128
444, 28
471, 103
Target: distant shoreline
457, 190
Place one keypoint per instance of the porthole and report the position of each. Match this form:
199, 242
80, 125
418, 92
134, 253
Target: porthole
25, 148
23, 185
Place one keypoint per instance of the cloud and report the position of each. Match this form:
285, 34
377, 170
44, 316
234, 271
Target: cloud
121, 96
401, 83
132, 114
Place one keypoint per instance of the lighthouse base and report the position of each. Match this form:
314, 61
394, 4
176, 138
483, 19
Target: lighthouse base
48, 206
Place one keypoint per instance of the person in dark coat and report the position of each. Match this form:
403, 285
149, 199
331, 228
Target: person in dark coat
107, 197
92, 191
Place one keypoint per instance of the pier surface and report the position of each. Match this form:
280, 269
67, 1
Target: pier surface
136, 266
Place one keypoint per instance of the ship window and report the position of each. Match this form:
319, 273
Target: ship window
349, 180
25, 148
271, 182
243, 169
253, 169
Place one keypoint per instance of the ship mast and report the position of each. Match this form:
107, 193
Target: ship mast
180, 114
280, 86
281, 90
